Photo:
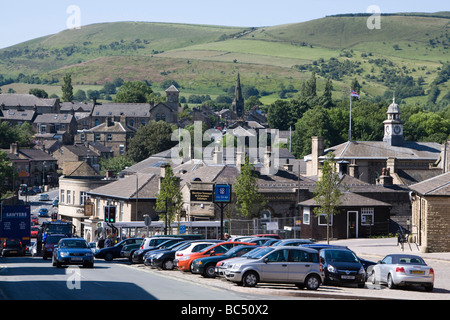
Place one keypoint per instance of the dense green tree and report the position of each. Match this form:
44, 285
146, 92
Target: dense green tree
150, 139
133, 92
116, 164
169, 200
248, 198
80, 95
6, 173
327, 194
67, 88
278, 115
40, 93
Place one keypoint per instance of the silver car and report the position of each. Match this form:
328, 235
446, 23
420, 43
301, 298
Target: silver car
401, 270
300, 266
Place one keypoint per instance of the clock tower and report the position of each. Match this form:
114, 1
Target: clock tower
393, 126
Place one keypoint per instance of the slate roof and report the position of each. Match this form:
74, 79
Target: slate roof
54, 118
350, 199
118, 109
18, 115
24, 100
76, 106
437, 186
125, 188
382, 150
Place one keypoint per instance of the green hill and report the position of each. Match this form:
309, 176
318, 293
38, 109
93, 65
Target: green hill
409, 50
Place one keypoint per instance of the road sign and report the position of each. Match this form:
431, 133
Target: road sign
182, 229
222, 193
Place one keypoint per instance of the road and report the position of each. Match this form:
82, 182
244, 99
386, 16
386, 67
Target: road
32, 278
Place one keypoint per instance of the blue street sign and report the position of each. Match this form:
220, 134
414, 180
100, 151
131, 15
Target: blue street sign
222, 193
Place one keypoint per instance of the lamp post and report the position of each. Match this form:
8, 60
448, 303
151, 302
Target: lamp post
43, 175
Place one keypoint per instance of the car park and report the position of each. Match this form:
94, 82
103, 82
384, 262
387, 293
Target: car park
206, 266
194, 247
128, 250
51, 242
163, 258
184, 263
297, 265
43, 212
342, 266
402, 270
12, 247
223, 266
138, 255
111, 253
73, 251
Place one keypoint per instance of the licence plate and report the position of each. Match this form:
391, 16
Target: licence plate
417, 272
13, 251
77, 259
347, 277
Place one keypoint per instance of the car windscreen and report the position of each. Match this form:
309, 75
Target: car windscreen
53, 239
60, 228
78, 244
260, 253
340, 256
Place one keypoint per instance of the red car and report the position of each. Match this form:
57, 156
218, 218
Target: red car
184, 263
34, 231
272, 235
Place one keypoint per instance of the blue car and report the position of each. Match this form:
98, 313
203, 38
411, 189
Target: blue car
43, 212
73, 251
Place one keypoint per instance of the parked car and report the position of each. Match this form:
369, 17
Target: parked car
43, 212
163, 258
292, 242
55, 203
36, 189
128, 250
268, 235
297, 265
51, 242
71, 251
342, 266
110, 253
184, 263
138, 255
402, 270
206, 266
12, 247
194, 247
224, 265
44, 197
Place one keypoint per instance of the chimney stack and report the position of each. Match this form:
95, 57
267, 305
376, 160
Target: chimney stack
14, 148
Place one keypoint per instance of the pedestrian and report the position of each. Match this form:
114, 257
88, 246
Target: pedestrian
108, 241
226, 237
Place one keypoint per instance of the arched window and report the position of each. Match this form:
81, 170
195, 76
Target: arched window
163, 117
158, 117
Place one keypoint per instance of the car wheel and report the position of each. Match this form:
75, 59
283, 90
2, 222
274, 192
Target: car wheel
209, 272
109, 257
312, 282
250, 279
429, 288
390, 282
167, 264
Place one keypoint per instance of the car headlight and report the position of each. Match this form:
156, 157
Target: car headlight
184, 258
362, 271
88, 254
331, 269
64, 254
235, 266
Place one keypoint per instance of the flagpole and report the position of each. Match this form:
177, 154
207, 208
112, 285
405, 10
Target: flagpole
350, 124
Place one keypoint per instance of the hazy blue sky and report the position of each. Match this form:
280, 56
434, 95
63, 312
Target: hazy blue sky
25, 20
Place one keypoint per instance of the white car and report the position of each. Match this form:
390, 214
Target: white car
193, 247
401, 270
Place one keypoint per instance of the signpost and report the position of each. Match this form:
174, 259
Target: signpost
222, 197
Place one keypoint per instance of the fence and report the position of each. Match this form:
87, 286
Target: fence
287, 227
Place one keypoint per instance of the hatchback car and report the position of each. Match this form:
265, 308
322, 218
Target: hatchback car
206, 266
342, 266
299, 266
51, 242
43, 212
12, 247
110, 253
402, 270
73, 251
138, 255
44, 197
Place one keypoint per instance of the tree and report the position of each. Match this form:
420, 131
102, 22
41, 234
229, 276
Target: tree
248, 198
169, 200
6, 173
116, 164
38, 93
150, 139
67, 88
309, 89
133, 92
327, 194
80, 95
278, 115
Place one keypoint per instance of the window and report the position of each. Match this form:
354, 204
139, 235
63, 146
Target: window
43, 129
306, 215
121, 149
158, 117
97, 136
61, 197
109, 137
83, 137
323, 219
68, 197
367, 215
163, 117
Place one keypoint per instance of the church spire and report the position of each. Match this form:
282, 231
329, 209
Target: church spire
238, 102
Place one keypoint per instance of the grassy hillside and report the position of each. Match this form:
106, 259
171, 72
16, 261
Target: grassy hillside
205, 59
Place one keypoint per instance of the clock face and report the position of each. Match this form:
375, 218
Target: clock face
397, 129
388, 130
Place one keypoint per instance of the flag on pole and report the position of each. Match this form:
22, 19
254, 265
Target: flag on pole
354, 94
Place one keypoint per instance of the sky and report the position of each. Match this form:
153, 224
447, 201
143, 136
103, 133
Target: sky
28, 19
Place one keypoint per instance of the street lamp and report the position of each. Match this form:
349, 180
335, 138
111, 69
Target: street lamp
43, 175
